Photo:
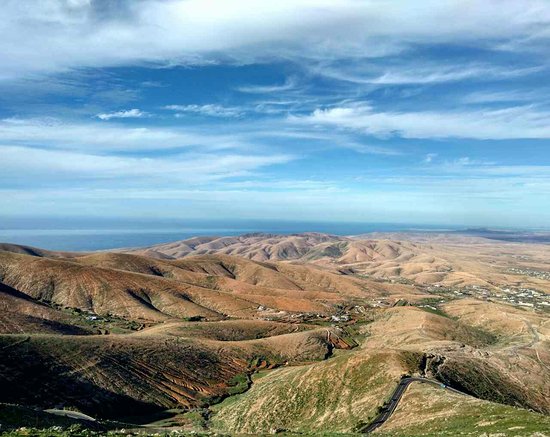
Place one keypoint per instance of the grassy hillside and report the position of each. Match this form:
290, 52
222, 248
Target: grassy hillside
338, 395
119, 375
430, 411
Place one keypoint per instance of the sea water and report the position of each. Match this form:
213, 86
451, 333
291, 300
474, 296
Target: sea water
89, 234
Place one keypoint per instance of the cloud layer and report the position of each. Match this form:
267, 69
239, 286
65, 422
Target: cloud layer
75, 34
510, 123
375, 110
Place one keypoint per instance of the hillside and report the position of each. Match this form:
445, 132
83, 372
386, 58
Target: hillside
21, 314
55, 307
305, 340
35, 251
454, 261
430, 411
259, 247
399, 341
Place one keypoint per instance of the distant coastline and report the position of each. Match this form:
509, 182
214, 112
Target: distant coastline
110, 235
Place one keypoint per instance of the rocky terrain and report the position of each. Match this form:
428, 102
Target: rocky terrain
263, 333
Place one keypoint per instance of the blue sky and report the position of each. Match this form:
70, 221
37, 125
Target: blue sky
351, 110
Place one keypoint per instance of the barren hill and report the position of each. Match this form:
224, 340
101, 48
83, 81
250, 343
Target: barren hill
151, 290
21, 314
35, 251
259, 247
256, 333
446, 260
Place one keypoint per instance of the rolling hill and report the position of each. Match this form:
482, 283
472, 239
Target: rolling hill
262, 333
428, 259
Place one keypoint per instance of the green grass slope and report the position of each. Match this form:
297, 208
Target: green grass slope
426, 410
337, 395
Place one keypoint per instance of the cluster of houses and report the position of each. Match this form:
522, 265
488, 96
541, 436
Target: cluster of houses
539, 274
519, 296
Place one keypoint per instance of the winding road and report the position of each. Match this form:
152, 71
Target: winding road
391, 405
71, 414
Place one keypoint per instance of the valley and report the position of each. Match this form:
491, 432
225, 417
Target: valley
292, 334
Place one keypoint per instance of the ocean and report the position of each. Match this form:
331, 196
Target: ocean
90, 235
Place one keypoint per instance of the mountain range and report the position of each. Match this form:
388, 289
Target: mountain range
267, 333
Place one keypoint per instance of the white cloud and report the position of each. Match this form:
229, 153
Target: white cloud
54, 166
210, 110
426, 73
79, 34
449, 74
503, 96
324, 139
352, 41
246, 137
519, 122
474, 198
430, 157
96, 135
267, 89
368, 149
129, 113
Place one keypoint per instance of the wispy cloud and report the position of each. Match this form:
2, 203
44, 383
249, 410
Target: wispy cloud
128, 113
56, 166
267, 89
509, 123
327, 139
424, 74
507, 96
56, 133
466, 198
371, 149
438, 74
211, 110
343, 88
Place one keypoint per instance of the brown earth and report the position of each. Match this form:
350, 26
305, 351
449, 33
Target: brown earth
424, 259
336, 320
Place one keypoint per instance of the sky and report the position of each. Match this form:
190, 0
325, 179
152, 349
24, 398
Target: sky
333, 110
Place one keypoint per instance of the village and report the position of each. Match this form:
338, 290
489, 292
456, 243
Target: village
517, 296
539, 274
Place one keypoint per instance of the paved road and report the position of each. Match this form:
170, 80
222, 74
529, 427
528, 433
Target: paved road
71, 414
390, 407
